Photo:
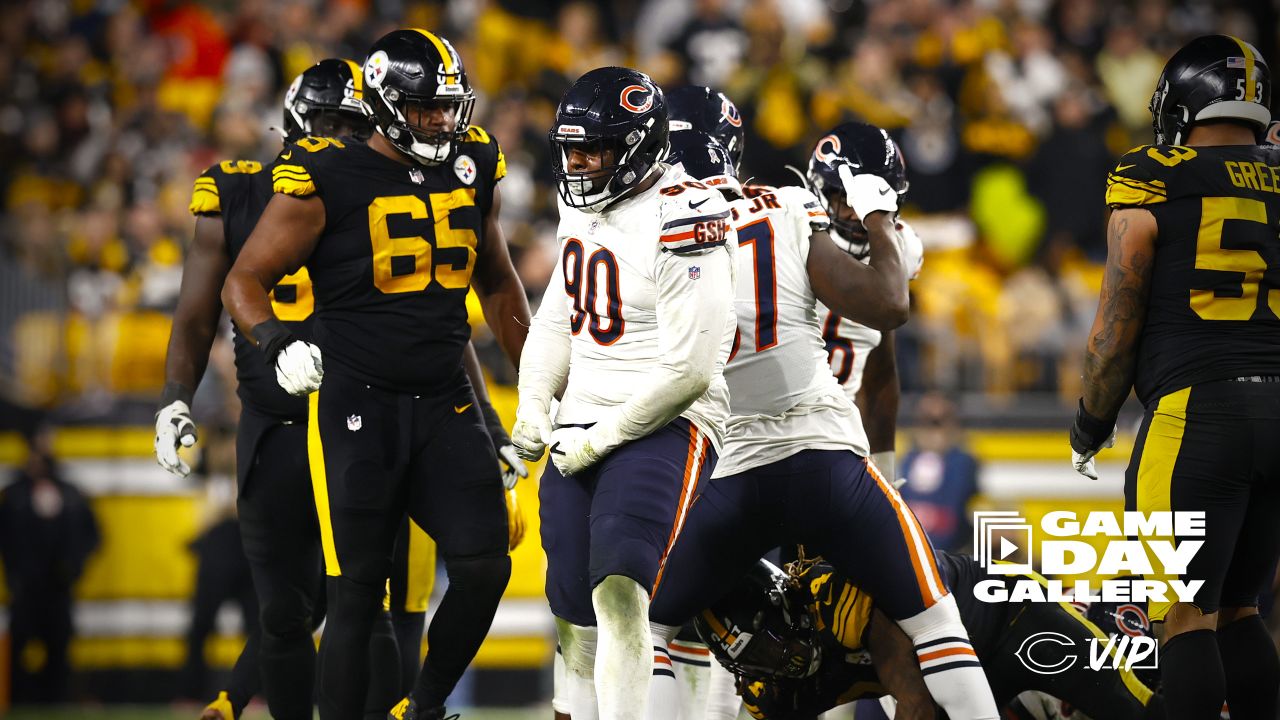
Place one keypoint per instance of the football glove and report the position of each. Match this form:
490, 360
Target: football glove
867, 193
299, 368
530, 435
571, 450
512, 467
1088, 436
174, 427
515, 521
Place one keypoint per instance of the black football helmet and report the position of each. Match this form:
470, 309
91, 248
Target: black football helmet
764, 628
417, 69
707, 111
325, 100
609, 110
705, 159
1214, 77
854, 148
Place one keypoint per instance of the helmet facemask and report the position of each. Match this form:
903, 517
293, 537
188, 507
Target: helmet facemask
409, 129
618, 170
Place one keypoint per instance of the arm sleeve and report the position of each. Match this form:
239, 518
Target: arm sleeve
544, 363
695, 301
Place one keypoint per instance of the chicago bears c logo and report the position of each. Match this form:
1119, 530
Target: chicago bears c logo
827, 149
646, 101
730, 113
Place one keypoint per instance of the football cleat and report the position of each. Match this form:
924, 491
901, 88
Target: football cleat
219, 709
407, 709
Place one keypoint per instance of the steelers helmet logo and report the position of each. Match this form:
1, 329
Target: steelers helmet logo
293, 91
375, 69
465, 168
636, 98
828, 149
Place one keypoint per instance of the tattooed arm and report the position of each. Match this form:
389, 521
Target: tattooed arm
1122, 309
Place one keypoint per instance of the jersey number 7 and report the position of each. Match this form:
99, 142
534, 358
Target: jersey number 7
759, 236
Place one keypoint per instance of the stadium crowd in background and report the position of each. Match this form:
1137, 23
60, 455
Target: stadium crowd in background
1009, 113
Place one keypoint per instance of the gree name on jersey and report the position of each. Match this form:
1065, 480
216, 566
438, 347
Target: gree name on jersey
1255, 175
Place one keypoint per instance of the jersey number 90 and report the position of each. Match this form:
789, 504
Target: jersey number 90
583, 280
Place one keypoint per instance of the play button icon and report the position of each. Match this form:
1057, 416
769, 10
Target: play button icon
1007, 548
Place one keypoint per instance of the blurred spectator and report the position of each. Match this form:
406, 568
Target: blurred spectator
709, 48
941, 475
1008, 112
1128, 68
47, 531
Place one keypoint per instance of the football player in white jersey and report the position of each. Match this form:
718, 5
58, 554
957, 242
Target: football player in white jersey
635, 327
862, 358
794, 468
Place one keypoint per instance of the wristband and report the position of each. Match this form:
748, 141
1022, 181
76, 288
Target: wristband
175, 392
1088, 433
271, 336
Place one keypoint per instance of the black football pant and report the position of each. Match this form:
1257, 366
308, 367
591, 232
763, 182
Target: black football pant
374, 455
282, 541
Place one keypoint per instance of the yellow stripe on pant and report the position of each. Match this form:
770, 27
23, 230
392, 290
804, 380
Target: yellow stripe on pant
1155, 471
320, 485
420, 576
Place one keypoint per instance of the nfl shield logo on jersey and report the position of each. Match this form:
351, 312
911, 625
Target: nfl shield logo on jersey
465, 168
354, 422
416, 176
695, 272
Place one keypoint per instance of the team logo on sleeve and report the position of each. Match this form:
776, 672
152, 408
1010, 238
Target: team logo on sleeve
465, 168
628, 98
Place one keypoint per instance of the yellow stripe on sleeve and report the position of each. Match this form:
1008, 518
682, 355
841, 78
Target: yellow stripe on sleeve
204, 197
292, 180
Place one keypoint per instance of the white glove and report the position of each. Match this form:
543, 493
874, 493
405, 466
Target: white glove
299, 368
174, 426
1083, 463
513, 468
912, 250
531, 434
571, 450
867, 193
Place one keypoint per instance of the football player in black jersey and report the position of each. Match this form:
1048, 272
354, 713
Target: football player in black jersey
393, 234
278, 519
803, 642
279, 530
1189, 318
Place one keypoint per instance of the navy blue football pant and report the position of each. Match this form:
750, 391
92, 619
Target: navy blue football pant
621, 516
832, 502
